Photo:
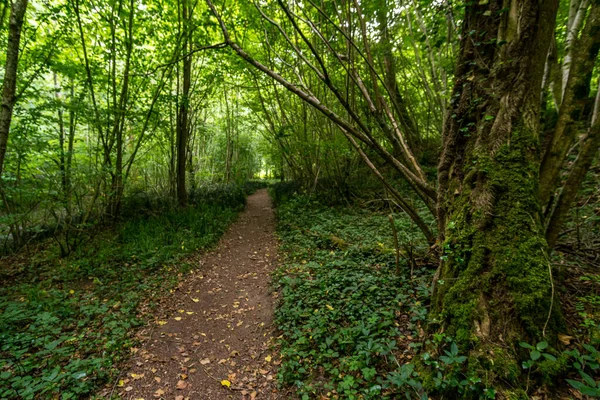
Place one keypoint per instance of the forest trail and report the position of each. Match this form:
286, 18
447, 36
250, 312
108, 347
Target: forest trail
216, 329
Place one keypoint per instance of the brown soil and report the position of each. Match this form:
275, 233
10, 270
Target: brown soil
212, 340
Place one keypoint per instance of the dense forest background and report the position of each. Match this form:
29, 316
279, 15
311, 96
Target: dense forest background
475, 124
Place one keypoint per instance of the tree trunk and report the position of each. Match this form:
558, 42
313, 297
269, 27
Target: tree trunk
70, 144
575, 95
406, 121
61, 138
494, 286
589, 149
182, 118
17, 13
116, 192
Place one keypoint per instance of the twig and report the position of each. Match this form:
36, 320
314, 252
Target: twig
115, 385
396, 245
551, 298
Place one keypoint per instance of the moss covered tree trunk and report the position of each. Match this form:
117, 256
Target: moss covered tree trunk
494, 287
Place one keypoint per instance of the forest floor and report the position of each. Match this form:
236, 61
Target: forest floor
212, 338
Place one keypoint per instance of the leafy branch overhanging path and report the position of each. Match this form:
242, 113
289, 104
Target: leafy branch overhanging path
211, 341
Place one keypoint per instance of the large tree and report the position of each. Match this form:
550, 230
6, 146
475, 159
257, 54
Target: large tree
495, 284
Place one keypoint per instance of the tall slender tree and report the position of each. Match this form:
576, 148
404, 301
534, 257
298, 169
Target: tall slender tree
182, 131
9, 85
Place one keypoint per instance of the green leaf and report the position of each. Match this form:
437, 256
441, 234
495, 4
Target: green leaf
526, 345
588, 379
535, 355
542, 345
52, 375
52, 345
549, 357
576, 384
454, 349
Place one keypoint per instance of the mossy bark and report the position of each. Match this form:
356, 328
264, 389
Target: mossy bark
494, 286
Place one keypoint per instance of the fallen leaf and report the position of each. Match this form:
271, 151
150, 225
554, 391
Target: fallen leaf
205, 361
177, 318
121, 383
329, 307
179, 397
195, 300
128, 389
189, 312
181, 385
159, 392
268, 358
157, 379
226, 383
566, 339
161, 322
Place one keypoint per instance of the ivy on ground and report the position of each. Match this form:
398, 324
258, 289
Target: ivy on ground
346, 319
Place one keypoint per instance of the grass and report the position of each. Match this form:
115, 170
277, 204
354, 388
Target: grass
67, 322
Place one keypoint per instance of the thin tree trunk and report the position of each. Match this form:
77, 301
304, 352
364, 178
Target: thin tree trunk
61, 137
116, 192
70, 143
577, 12
9, 85
575, 95
589, 149
408, 124
182, 120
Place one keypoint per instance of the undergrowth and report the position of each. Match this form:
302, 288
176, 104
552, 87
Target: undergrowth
346, 319
350, 328
67, 321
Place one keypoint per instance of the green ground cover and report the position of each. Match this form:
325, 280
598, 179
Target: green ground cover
346, 319
65, 323
351, 328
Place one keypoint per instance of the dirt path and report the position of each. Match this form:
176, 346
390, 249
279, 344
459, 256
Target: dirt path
217, 327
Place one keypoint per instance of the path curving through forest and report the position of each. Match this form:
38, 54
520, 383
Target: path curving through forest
214, 340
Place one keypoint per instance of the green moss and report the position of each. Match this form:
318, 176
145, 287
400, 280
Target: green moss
514, 394
492, 362
496, 283
549, 369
